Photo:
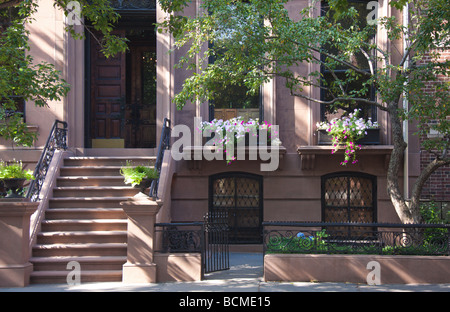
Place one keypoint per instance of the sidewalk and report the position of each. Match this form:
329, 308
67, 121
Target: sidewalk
245, 275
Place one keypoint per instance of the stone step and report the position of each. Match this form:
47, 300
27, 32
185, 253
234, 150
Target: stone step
79, 250
109, 161
86, 202
91, 181
60, 277
84, 213
86, 263
81, 237
88, 171
95, 191
84, 225
85, 221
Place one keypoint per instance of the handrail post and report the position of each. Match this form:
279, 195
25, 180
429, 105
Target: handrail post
141, 212
164, 143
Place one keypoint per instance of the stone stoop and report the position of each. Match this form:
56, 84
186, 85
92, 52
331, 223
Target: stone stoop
85, 222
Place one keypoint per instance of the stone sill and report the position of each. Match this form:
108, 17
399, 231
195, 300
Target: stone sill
308, 153
189, 153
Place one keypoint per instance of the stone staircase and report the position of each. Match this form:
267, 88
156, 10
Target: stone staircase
85, 222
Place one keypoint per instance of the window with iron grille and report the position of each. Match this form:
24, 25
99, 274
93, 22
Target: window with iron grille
349, 197
240, 195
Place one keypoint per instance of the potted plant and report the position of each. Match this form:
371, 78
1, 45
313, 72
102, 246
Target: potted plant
13, 176
348, 131
139, 176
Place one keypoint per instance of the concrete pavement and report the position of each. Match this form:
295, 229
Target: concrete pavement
245, 275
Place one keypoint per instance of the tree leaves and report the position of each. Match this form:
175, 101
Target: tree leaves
41, 83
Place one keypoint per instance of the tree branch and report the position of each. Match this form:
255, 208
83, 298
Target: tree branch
356, 69
9, 4
421, 179
341, 99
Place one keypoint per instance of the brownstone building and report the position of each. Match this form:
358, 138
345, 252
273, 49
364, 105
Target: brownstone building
115, 112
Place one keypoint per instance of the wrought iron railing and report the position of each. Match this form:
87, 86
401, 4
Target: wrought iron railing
356, 238
57, 139
164, 144
180, 237
209, 238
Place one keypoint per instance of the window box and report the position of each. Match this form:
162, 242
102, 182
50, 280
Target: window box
372, 137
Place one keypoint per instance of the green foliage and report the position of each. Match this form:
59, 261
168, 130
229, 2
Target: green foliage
135, 174
334, 52
41, 83
429, 242
433, 213
14, 170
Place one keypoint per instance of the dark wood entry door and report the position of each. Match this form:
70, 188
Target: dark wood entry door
123, 97
108, 93
140, 109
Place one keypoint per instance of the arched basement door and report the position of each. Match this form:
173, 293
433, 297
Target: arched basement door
240, 195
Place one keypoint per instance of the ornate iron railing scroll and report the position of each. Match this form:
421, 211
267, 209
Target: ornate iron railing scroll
180, 237
57, 140
365, 238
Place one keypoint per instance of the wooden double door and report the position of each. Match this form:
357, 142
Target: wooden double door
123, 96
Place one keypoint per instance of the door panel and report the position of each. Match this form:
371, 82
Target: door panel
123, 95
140, 113
107, 97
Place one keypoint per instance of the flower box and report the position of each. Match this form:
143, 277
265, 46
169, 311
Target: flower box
372, 137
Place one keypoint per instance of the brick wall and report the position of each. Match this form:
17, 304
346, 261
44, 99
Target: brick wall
438, 185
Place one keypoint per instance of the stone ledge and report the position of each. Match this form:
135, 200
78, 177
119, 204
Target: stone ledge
308, 153
353, 268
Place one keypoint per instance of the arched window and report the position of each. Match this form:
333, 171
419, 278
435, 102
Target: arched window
240, 195
349, 197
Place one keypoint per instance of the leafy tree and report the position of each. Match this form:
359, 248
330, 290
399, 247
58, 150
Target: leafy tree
255, 41
22, 79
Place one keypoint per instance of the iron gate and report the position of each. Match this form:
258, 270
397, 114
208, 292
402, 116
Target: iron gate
216, 252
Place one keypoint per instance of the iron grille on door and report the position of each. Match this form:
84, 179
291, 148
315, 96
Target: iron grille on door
240, 195
349, 197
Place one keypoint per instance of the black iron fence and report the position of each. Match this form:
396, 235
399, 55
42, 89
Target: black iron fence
356, 238
210, 238
179, 237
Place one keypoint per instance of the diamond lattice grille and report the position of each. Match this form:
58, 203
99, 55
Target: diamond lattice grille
240, 197
348, 199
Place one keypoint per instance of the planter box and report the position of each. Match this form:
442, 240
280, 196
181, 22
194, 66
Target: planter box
353, 268
372, 137
253, 141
